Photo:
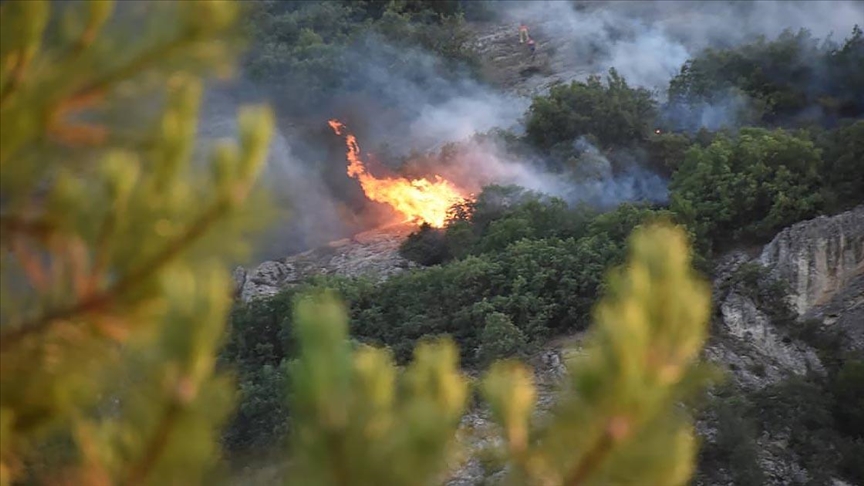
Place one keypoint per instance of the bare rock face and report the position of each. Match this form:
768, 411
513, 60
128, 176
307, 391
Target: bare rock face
745, 321
373, 254
821, 262
818, 257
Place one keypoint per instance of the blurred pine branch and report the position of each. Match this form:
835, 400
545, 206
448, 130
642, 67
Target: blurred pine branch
113, 297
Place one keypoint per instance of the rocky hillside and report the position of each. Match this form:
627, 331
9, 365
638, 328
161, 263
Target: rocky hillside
821, 263
509, 65
373, 254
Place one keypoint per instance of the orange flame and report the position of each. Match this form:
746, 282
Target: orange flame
419, 200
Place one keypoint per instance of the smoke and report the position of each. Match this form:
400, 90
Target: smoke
591, 177
595, 181
726, 109
307, 215
409, 99
647, 42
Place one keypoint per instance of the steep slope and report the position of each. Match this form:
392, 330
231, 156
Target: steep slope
373, 253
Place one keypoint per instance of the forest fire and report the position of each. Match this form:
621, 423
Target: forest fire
418, 200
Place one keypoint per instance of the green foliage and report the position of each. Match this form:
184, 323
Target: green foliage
801, 410
502, 216
782, 79
261, 419
666, 152
361, 421
816, 419
844, 166
734, 447
318, 47
538, 287
427, 246
114, 289
759, 181
616, 420
500, 339
615, 114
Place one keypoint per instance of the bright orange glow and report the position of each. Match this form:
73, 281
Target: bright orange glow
419, 200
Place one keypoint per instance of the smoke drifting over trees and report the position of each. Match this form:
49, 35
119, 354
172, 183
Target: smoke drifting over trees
408, 85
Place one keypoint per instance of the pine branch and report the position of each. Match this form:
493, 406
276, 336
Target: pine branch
43, 323
138, 473
590, 461
15, 77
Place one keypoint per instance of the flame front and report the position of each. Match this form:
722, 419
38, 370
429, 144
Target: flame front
419, 200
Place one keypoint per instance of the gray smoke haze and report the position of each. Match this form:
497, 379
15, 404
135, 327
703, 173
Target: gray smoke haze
480, 162
647, 42
307, 215
413, 101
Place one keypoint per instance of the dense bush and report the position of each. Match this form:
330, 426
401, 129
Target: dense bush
360, 420
843, 153
792, 79
614, 114
747, 186
816, 418
500, 339
734, 447
513, 290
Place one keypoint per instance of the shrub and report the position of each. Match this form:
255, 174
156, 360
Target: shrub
616, 114
747, 187
359, 421
499, 339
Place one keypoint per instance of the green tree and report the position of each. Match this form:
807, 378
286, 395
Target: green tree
844, 166
114, 291
613, 113
782, 80
748, 186
499, 339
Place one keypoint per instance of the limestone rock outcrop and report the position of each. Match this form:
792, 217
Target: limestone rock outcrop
816, 258
821, 264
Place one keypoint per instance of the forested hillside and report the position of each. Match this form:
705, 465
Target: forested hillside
629, 283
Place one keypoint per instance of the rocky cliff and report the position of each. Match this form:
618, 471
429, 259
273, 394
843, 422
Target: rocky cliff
819, 264
818, 258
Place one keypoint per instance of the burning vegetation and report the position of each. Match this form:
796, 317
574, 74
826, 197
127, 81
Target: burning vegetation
417, 200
